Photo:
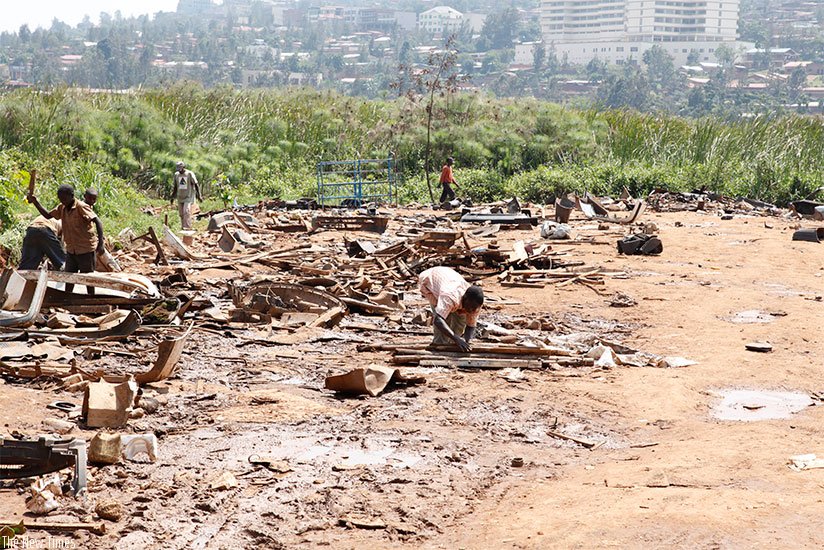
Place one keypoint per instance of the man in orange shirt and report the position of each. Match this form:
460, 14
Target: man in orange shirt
447, 181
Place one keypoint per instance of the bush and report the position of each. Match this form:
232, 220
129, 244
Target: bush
271, 140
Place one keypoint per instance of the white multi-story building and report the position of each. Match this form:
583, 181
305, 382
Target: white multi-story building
619, 31
441, 20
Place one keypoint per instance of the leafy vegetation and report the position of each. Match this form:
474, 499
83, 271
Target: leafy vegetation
247, 145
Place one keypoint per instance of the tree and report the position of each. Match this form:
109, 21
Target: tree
693, 58
725, 55
24, 33
538, 58
553, 65
596, 69
660, 66
467, 64
500, 29
631, 89
492, 62
438, 76
795, 84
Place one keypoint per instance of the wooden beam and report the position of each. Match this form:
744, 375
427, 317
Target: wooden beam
579, 441
96, 528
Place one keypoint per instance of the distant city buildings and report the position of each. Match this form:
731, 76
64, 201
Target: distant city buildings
620, 31
441, 20
194, 7
357, 48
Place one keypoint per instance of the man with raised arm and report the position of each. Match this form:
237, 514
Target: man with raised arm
78, 221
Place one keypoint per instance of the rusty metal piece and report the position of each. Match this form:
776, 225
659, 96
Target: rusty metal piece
371, 380
805, 207
227, 242
563, 209
439, 240
127, 283
636, 211
179, 248
278, 298
126, 327
813, 235
34, 458
221, 219
168, 354
96, 528
524, 217
375, 224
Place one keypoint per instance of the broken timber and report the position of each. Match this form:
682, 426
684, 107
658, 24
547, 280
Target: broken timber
501, 349
151, 237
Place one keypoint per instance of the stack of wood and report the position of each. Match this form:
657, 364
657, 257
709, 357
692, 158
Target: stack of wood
592, 277
482, 356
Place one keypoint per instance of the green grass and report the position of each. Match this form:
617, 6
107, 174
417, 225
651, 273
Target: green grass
249, 145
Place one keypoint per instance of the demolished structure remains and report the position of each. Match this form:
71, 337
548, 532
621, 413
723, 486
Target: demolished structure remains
300, 311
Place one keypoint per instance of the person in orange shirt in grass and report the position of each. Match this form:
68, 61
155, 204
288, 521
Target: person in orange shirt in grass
447, 180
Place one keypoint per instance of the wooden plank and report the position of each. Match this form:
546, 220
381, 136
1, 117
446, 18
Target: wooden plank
410, 357
579, 441
508, 350
96, 528
477, 348
576, 278
242, 223
480, 363
327, 317
518, 253
368, 306
32, 181
522, 284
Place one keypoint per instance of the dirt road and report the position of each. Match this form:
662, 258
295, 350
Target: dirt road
707, 483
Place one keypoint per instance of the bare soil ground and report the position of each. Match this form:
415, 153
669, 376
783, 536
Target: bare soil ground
432, 465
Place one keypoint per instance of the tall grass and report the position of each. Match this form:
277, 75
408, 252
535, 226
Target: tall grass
267, 142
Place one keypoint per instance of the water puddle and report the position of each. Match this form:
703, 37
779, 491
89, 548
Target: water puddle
751, 316
752, 405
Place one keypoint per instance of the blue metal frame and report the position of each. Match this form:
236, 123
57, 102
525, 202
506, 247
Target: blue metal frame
356, 182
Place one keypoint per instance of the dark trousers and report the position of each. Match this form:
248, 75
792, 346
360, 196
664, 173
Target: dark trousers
448, 193
456, 322
80, 263
39, 242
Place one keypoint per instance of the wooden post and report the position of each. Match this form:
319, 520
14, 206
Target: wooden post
32, 182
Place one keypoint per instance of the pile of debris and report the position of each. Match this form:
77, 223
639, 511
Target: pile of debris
276, 274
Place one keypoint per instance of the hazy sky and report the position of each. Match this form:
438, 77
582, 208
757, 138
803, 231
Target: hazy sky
39, 13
